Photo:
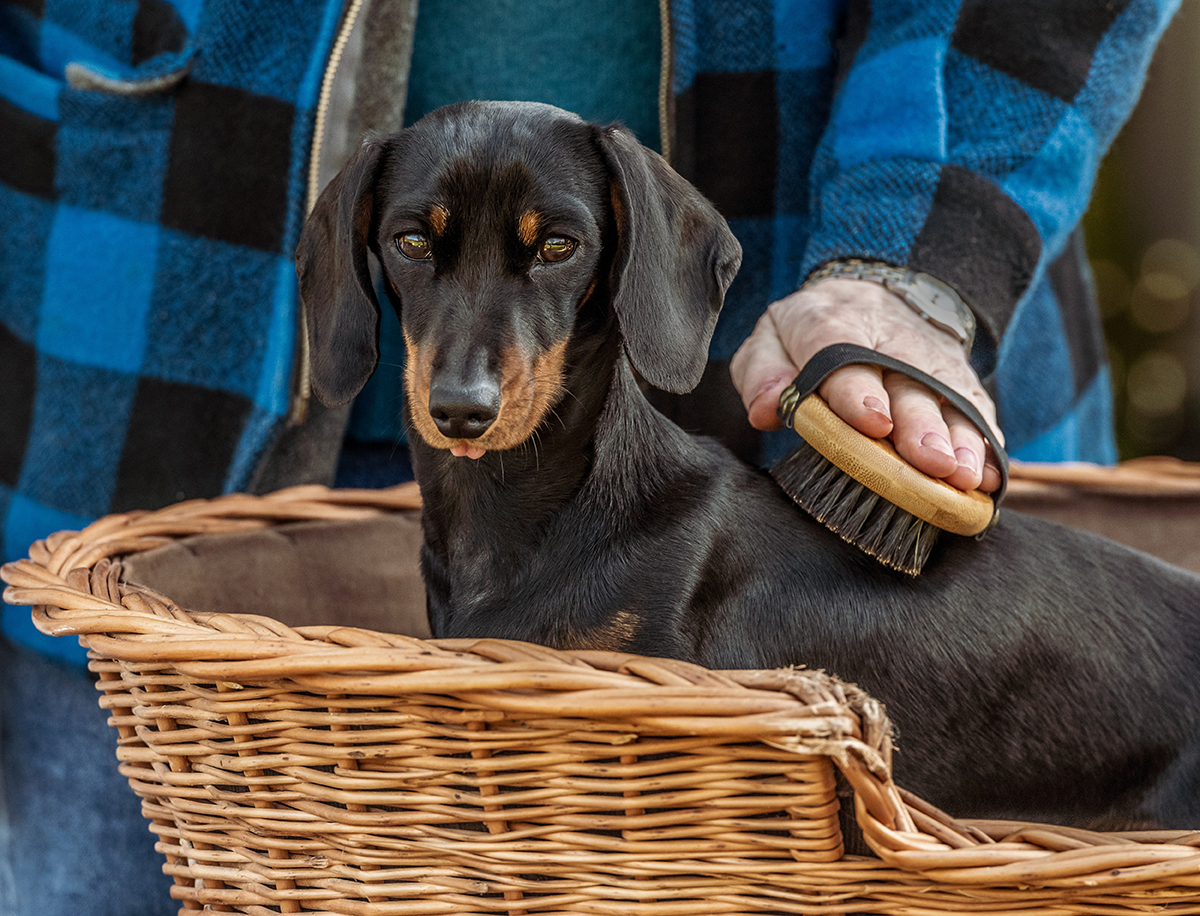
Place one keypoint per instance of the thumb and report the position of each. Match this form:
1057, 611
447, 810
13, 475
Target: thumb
761, 369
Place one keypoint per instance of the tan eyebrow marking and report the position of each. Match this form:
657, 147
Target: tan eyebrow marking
438, 217
527, 227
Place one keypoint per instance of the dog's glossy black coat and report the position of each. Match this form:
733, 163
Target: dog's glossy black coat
1040, 673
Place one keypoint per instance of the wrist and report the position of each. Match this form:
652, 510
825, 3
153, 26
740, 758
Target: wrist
930, 298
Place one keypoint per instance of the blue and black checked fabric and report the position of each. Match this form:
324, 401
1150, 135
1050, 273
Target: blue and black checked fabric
152, 186
957, 137
152, 159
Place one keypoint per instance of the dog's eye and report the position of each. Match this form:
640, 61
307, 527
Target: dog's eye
556, 248
414, 246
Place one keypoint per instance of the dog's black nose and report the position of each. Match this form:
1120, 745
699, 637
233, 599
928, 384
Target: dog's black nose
464, 411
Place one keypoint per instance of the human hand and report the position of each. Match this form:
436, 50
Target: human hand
930, 435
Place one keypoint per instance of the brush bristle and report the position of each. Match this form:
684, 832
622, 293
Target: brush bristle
857, 514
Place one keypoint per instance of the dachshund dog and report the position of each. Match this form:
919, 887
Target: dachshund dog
543, 268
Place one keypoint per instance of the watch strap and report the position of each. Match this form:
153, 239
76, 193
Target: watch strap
926, 295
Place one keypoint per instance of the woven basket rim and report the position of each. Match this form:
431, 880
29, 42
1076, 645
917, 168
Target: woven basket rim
72, 580
1158, 476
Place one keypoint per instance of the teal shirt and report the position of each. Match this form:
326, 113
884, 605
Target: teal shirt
600, 59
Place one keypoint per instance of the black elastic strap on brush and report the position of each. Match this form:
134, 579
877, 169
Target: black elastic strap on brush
835, 356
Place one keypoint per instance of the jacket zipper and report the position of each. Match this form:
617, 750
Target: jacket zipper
303, 392
665, 79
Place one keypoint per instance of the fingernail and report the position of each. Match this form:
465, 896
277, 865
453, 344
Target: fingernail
938, 444
967, 459
877, 406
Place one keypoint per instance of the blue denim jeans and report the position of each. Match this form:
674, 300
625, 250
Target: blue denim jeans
73, 841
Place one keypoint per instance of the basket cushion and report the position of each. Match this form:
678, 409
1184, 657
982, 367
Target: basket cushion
361, 573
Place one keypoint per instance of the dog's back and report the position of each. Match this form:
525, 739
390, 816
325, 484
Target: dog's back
536, 262
1041, 672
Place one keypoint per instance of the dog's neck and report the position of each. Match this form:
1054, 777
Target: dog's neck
486, 519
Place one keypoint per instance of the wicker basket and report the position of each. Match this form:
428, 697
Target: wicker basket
1151, 503
327, 769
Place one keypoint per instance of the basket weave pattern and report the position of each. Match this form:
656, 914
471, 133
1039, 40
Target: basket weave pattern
340, 770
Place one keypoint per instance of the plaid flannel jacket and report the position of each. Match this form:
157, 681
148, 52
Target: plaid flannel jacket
956, 137
153, 162
152, 180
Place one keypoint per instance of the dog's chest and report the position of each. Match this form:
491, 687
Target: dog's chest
534, 581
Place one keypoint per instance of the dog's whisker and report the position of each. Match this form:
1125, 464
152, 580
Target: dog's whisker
567, 392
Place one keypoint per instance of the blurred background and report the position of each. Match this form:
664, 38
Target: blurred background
1143, 234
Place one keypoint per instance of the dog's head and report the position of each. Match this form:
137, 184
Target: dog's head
494, 223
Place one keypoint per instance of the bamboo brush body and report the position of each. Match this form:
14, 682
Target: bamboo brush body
860, 487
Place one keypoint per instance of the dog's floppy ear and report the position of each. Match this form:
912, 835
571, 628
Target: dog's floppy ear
675, 258
340, 308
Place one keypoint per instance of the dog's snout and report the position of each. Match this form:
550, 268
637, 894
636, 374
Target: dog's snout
464, 411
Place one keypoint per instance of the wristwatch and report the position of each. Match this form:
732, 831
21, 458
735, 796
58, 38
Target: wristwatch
929, 297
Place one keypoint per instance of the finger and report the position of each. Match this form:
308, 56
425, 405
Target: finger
989, 479
969, 449
991, 474
968, 386
920, 433
856, 394
761, 369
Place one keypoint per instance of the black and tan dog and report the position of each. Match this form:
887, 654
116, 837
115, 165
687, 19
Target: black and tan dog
536, 261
